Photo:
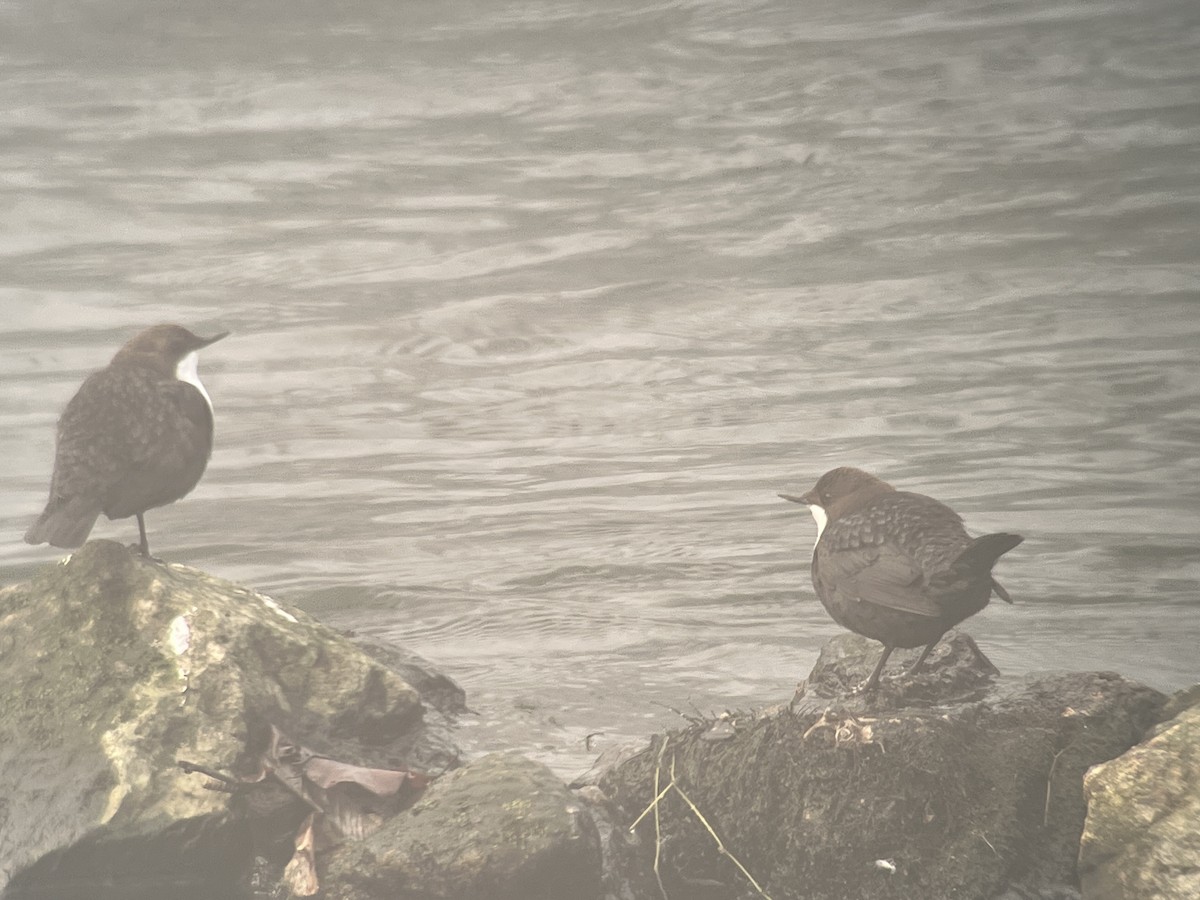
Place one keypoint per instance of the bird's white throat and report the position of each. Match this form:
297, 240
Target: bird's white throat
185, 370
818, 513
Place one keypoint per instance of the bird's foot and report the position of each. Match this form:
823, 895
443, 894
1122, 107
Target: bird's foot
144, 553
867, 687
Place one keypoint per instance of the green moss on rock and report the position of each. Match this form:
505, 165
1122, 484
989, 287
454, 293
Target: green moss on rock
502, 828
115, 666
886, 797
1142, 837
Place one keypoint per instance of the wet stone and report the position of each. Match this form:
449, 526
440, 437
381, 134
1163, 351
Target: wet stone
961, 795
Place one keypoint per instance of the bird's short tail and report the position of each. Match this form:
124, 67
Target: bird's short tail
63, 524
982, 555
984, 551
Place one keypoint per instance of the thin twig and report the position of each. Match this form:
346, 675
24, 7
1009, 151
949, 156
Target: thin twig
720, 845
658, 795
691, 720
190, 767
654, 805
1049, 784
983, 837
657, 820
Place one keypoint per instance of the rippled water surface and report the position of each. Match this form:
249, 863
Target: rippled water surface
537, 305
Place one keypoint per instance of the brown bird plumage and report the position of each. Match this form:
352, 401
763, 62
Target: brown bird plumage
136, 435
896, 566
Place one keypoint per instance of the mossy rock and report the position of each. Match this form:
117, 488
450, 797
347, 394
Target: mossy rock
113, 667
502, 828
1142, 837
884, 797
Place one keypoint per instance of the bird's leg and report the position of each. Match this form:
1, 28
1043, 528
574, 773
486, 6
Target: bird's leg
912, 670
873, 681
143, 544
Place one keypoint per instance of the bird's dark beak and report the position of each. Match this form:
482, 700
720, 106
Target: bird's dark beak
204, 342
794, 499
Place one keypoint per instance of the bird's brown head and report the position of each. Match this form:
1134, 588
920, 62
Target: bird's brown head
842, 489
163, 346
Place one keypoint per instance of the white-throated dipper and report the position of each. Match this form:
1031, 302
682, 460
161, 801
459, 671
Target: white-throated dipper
136, 435
895, 566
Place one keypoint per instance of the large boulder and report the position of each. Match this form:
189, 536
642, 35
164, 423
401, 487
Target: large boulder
1142, 836
113, 667
502, 828
946, 785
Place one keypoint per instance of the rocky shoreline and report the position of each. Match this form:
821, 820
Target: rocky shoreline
326, 767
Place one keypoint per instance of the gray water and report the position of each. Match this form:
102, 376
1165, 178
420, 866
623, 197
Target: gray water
536, 306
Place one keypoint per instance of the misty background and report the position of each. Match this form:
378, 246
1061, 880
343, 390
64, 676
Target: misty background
536, 306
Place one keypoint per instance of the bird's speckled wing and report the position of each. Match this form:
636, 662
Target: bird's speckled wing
92, 446
879, 574
130, 441
887, 553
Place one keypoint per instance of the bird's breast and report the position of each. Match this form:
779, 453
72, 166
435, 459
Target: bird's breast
821, 518
186, 371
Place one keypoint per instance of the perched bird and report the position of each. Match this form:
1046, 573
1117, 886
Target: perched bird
136, 435
895, 566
